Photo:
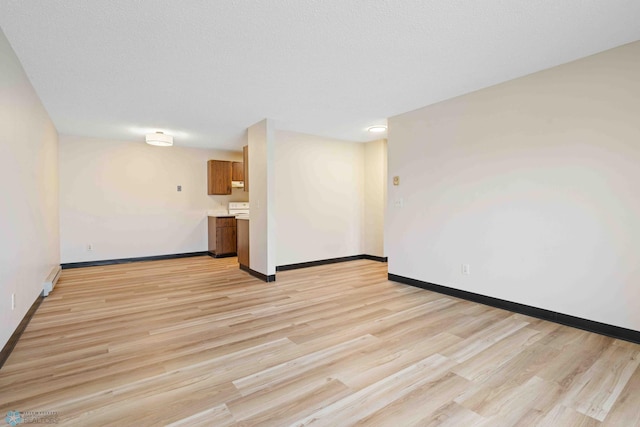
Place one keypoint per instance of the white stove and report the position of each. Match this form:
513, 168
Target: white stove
239, 209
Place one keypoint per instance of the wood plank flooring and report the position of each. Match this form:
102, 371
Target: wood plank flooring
197, 342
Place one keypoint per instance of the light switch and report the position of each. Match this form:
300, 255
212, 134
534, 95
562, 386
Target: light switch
396, 180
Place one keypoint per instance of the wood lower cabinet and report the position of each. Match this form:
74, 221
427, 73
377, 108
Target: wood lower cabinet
222, 236
243, 241
219, 173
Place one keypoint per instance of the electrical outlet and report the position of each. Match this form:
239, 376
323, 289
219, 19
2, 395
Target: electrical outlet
179, 187
89, 247
13, 301
466, 269
399, 203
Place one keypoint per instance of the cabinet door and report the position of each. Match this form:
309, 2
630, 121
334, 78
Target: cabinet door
226, 240
245, 165
211, 234
237, 172
243, 242
219, 177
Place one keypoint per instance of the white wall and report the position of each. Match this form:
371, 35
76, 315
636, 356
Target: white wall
261, 184
375, 196
319, 198
29, 243
121, 197
534, 183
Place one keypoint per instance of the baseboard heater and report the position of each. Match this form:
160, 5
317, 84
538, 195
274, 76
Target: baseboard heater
51, 280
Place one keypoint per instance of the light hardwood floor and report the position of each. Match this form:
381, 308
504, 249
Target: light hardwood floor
195, 341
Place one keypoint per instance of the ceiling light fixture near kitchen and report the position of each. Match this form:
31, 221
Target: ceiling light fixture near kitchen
159, 139
377, 129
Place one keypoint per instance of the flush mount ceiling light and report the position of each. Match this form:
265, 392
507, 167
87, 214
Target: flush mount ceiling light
159, 139
377, 129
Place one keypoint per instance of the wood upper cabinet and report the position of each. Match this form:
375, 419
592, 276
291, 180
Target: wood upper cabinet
219, 175
245, 166
237, 171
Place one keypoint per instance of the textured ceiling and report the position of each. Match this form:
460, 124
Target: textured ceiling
206, 70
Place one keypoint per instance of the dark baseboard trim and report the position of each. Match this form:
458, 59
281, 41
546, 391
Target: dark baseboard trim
213, 255
128, 260
263, 277
316, 263
329, 261
13, 339
375, 258
541, 313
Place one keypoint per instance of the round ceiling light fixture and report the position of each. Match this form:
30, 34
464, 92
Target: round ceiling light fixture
377, 129
159, 139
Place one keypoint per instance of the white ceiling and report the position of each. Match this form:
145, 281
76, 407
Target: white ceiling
205, 70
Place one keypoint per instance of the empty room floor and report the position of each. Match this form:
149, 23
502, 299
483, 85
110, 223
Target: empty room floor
196, 341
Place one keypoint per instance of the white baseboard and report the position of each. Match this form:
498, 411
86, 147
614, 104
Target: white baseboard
51, 280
